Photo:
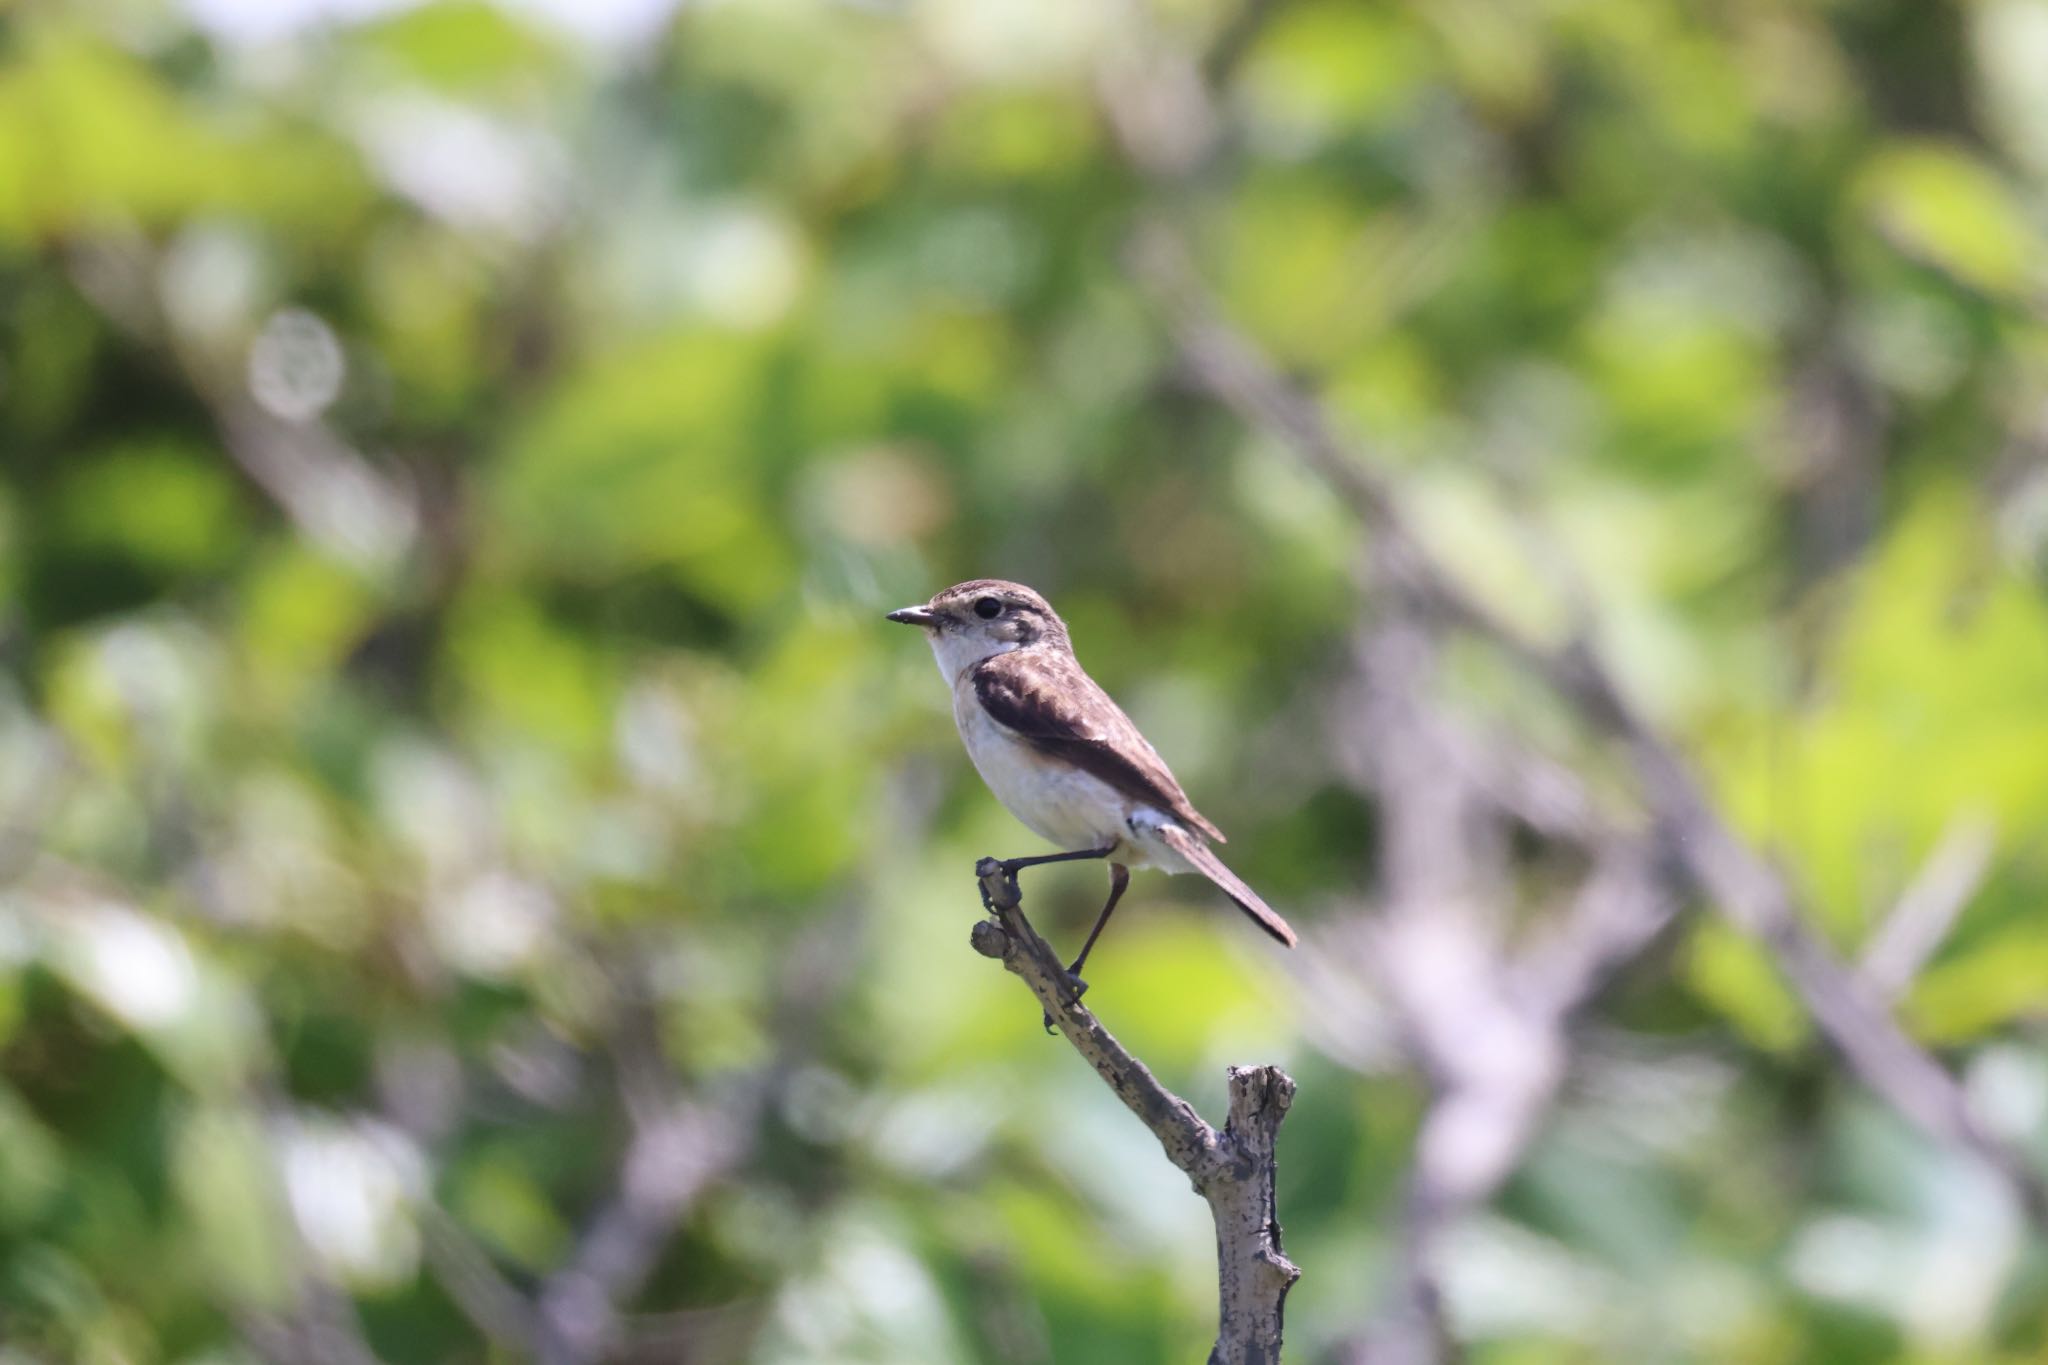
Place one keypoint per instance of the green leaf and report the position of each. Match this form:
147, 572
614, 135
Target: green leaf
1736, 976
1938, 203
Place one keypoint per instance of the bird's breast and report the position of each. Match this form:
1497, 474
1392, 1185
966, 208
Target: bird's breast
1058, 801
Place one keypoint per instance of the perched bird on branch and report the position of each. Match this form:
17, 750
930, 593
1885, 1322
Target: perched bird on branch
1059, 754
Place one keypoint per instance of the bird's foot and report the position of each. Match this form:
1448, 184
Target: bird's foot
1010, 868
1078, 987
989, 867
988, 903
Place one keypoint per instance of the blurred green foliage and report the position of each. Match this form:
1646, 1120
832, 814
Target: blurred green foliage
454, 464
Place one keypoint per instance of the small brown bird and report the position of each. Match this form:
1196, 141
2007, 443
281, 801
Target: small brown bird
1059, 754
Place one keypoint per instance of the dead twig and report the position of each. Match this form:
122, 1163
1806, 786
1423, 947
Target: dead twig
1232, 1169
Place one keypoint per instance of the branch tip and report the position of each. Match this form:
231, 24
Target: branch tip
988, 939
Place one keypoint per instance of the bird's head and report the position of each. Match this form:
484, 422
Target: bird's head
968, 622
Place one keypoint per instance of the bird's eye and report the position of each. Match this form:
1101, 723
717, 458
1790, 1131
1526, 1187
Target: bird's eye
987, 608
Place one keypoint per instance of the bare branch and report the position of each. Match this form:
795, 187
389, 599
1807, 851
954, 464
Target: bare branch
1621, 908
331, 492
1924, 914
1253, 1274
319, 1330
492, 1304
1493, 1062
681, 1144
1190, 1143
671, 1160
1521, 781
1233, 1170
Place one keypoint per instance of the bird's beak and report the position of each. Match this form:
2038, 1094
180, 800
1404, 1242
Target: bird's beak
914, 616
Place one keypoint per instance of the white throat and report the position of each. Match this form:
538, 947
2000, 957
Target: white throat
956, 651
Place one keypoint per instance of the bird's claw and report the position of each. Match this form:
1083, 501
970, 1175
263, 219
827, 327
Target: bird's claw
1080, 988
1009, 883
1010, 870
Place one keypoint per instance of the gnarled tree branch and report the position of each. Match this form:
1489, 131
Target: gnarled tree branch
1232, 1169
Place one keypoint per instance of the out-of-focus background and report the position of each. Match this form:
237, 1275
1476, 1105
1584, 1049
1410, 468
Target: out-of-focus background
480, 882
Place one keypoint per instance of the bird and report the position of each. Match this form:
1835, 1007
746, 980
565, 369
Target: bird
1060, 755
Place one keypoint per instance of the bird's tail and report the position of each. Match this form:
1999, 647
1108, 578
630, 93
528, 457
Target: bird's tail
1209, 865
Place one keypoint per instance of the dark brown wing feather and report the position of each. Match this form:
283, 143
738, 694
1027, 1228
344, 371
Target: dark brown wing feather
1045, 696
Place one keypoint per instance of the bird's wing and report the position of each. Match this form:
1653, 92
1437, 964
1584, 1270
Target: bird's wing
1046, 697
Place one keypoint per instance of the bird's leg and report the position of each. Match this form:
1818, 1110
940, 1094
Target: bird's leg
1012, 866
1119, 878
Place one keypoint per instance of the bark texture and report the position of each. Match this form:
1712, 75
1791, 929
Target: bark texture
1233, 1169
